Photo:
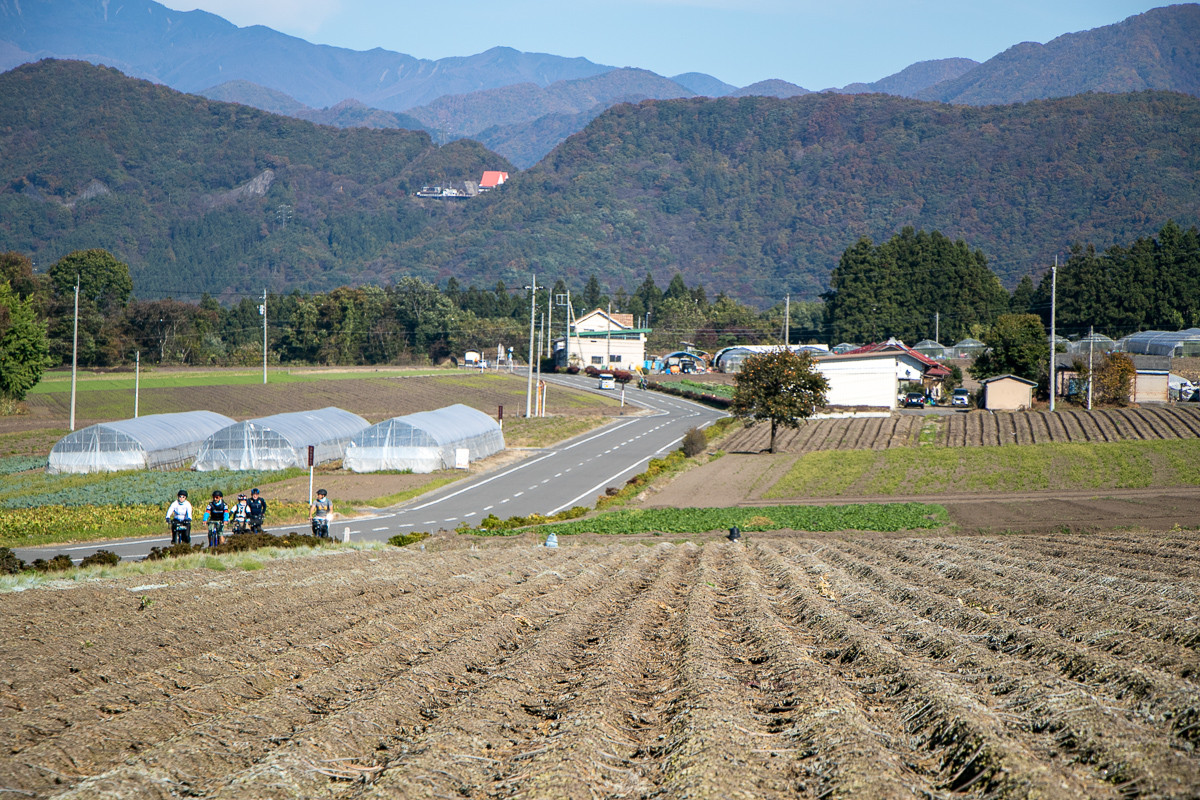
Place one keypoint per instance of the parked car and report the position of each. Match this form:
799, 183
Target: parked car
914, 400
961, 398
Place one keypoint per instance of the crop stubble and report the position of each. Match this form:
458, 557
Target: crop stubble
794, 665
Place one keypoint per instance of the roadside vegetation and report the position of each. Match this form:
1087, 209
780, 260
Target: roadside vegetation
1012, 468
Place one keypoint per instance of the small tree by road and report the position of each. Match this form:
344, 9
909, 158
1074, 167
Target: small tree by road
780, 387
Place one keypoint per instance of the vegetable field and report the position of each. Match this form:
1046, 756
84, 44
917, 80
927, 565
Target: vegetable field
794, 665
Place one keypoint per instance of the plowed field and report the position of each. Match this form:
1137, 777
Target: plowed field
792, 666
977, 428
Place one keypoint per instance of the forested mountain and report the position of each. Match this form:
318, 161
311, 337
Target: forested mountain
759, 196
193, 50
197, 195
1159, 49
754, 196
346, 114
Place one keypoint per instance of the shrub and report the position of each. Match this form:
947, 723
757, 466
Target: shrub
405, 539
102, 558
9, 563
694, 442
59, 563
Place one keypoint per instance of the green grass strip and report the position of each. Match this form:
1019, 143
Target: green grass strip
1012, 468
864, 517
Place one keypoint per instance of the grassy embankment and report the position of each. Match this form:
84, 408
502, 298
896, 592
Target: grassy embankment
918, 471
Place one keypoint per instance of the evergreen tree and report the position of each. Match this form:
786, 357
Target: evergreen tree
24, 352
1016, 345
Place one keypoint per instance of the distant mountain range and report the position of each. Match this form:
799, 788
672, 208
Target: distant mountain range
754, 196
523, 104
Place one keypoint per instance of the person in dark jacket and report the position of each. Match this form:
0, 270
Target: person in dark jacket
214, 515
258, 511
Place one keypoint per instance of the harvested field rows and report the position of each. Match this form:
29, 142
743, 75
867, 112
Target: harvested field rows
977, 428
794, 665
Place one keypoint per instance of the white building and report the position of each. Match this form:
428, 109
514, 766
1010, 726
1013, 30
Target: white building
864, 379
604, 341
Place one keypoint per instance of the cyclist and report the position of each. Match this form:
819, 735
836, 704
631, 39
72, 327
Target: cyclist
239, 515
179, 519
214, 515
318, 512
258, 510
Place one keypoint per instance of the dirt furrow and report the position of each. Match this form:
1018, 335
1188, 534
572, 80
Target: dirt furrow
260, 704
840, 751
263, 616
1132, 424
1154, 695
1083, 566
1122, 748
609, 723
1177, 563
1109, 425
1186, 424
1033, 593
78, 655
1152, 419
978, 751
513, 713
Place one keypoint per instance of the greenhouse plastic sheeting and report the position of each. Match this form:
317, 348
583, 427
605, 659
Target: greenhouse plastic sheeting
162, 441
425, 441
280, 441
1178, 344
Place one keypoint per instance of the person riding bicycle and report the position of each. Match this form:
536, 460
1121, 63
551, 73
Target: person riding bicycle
214, 515
179, 519
258, 510
239, 515
318, 512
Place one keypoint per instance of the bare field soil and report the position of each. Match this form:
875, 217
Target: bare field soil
880, 666
976, 428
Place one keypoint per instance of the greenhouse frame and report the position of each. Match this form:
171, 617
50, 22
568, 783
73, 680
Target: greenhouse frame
280, 441
1177, 344
425, 441
155, 441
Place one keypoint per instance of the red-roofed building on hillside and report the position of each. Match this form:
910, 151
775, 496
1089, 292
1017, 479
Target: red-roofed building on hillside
912, 366
491, 179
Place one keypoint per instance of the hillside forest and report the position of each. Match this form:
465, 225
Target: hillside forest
890, 289
753, 197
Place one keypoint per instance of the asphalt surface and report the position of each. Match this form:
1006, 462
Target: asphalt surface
572, 473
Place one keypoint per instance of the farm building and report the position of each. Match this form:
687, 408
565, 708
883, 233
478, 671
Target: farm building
1007, 393
281, 441
966, 348
1096, 343
155, 441
862, 379
930, 348
425, 441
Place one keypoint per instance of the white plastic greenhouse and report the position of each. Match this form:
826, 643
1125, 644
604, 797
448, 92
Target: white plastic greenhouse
280, 441
425, 441
155, 441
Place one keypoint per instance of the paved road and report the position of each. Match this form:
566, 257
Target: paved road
546, 482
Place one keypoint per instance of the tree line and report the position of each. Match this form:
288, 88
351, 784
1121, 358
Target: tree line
878, 291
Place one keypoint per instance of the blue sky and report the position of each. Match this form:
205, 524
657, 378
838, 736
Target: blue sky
813, 43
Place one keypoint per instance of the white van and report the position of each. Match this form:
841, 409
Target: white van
607, 381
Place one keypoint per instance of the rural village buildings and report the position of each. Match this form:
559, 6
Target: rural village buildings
602, 340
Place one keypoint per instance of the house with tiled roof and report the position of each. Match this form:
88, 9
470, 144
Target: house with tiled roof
911, 366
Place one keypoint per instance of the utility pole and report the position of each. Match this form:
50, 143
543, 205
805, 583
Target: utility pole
787, 321
1091, 377
608, 338
137, 378
549, 322
263, 310
532, 311
541, 333
937, 324
1053, 308
74, 352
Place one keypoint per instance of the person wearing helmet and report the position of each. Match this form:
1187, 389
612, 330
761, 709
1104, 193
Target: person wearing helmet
179, 519
258, 510
318, 513
214, 515
239, 516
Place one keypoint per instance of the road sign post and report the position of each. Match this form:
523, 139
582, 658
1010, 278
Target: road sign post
312, 451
